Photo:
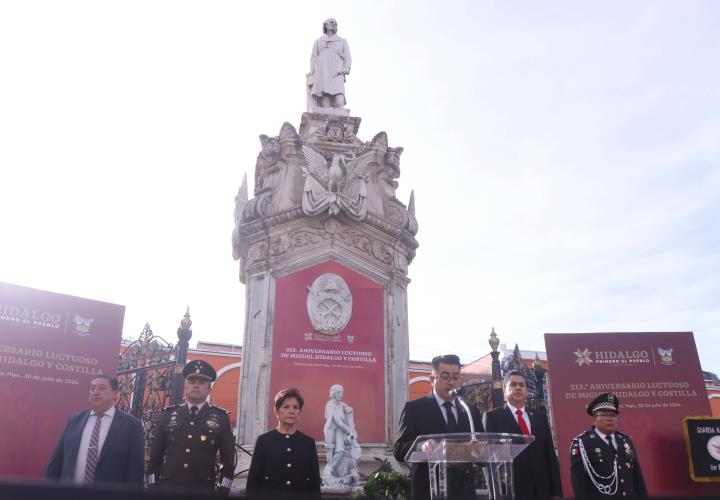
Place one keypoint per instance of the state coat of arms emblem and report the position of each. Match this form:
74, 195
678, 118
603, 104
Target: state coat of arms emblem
329, 304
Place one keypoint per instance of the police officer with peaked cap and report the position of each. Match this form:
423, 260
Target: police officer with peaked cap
188, 436
603, 461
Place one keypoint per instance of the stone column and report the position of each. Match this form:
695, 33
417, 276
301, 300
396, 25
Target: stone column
322, 194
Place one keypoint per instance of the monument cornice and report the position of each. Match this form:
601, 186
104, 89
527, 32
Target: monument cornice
262, 225
275, 238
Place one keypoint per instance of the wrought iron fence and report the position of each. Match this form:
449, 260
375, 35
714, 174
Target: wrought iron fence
478, 394
145, 376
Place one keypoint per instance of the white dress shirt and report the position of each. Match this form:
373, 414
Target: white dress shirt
440, 402
525, 416
82, 455
604, 437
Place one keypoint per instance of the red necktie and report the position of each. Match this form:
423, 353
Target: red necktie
521, 423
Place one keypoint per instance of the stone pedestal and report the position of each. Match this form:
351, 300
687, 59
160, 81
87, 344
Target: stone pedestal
323, 195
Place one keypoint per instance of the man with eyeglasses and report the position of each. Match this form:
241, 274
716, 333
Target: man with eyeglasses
603, 461
536, 472
437, 413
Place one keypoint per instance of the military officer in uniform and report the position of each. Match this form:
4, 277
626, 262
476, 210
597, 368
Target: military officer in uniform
188, 436
603, 461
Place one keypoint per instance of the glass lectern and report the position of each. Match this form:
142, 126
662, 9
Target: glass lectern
469, 465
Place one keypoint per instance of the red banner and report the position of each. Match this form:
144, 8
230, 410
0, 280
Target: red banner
51, 346
329, 331
658, 380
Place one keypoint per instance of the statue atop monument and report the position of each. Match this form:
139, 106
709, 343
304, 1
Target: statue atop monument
329, 65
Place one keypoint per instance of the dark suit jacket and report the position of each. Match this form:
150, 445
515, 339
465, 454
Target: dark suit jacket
424, 416
121, 460
271, 477
536, 473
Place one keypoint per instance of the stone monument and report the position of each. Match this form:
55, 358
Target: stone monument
324, 246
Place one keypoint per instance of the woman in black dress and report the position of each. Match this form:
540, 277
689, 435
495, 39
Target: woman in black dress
285, 462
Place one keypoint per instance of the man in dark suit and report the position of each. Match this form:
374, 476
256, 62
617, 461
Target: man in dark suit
437, 413
102, 445
536, 473
187, 438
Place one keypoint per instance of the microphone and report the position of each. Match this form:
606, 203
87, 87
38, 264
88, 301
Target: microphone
455, 394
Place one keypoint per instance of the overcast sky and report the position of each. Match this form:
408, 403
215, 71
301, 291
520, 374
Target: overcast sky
564, 156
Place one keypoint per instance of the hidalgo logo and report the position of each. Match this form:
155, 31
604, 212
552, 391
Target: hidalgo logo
615, 358
27, 317
665, 356
583, 357
82, 325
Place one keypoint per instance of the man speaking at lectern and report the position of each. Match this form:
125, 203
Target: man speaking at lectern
536, 473
437, 413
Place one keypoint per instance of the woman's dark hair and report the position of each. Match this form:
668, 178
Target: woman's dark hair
291, 392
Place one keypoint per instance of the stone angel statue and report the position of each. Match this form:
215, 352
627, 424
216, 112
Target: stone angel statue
338, 187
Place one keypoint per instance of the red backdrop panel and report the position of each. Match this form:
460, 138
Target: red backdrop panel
312, 362
51, 346
657, 378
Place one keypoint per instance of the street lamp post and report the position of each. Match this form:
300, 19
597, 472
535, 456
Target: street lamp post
184, 334
497, 387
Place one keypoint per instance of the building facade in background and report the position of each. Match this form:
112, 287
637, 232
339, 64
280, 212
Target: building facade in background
227, 359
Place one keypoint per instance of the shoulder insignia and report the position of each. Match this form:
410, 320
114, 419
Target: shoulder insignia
172, 407
575, 446
219, 409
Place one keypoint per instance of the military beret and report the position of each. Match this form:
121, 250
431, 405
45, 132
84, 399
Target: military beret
199, 369
607, 401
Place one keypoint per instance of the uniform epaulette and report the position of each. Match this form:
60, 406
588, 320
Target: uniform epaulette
219, 408
172, 407
580, 435
574, 441
622, 435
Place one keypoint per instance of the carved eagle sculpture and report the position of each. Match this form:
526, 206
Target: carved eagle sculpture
338, 187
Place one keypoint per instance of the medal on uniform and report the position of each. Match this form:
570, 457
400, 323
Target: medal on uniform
203, 438
212, 425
